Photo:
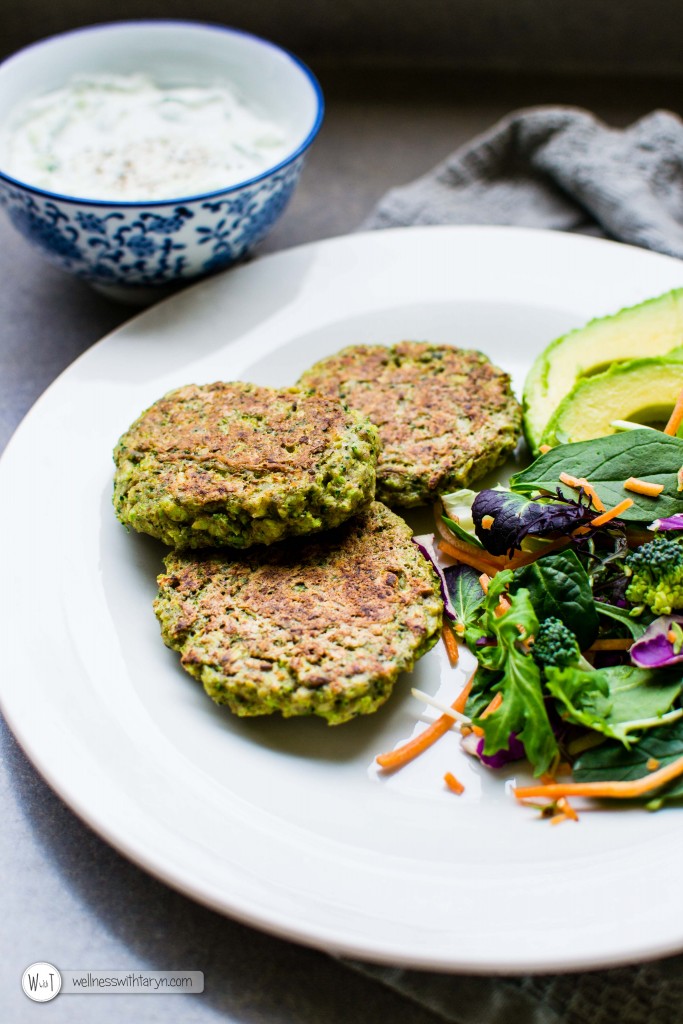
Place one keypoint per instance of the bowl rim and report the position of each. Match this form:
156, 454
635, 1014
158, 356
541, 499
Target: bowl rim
192, 197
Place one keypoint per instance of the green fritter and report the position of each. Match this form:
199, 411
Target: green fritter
236, 464
313, 627
445, 415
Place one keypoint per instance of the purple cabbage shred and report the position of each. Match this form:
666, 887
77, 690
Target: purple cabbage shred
425, 542
654, 649
514, 752
674, 522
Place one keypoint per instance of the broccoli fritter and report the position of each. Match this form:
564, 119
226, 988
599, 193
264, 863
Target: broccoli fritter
322, 626
445, 415
656, 575
236, 464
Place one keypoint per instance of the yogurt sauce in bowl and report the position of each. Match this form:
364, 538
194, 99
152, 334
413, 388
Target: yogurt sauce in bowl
125, 138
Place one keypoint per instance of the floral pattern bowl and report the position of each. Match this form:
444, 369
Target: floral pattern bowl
137, 251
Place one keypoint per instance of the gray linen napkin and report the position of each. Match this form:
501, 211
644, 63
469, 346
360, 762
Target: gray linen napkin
556, 168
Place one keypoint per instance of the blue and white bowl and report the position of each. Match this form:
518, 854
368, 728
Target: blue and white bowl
135, 251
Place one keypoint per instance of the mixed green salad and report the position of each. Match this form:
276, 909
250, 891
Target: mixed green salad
568, 590
567, 583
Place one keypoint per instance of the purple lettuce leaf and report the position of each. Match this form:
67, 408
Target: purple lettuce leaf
514, 517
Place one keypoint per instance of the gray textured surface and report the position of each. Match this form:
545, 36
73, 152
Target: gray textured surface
67, 896
597, 36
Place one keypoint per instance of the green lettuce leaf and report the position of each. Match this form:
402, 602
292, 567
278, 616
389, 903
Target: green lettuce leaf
616, 701
523, 710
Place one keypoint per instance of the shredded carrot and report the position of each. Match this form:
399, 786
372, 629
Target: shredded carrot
545, 448
503, 603
643, 487
487, 522
671, 636
488, 710
438, 728
581, 482
566, 808
491, 564
517, 561
453, 784
597, 503
612, 513
470, 555
624, 790
616, 644
451, 644
493, 706
676, 417
652, 764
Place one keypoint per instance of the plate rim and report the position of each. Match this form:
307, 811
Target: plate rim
282, 929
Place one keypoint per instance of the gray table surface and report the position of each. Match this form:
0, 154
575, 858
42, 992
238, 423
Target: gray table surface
67, 897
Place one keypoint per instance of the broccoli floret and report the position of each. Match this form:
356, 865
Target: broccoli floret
656, 575
555, 645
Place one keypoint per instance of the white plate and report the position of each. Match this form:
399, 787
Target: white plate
286, 825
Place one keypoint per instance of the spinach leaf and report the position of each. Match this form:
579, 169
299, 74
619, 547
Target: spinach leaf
616, 701
634, 626
611, 761
559, 587
606, 462
523, 710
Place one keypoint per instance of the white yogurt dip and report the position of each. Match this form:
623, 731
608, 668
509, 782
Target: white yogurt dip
122, 137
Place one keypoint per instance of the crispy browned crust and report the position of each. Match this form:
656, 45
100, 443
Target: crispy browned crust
236, 464
309, 627
445, 415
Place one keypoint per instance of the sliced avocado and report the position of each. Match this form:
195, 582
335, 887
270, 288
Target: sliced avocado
652, 328
640, 390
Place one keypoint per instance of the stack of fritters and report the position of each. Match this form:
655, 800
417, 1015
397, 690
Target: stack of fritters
302, 624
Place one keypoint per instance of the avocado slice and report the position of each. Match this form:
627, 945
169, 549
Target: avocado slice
652, 328
641, 390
